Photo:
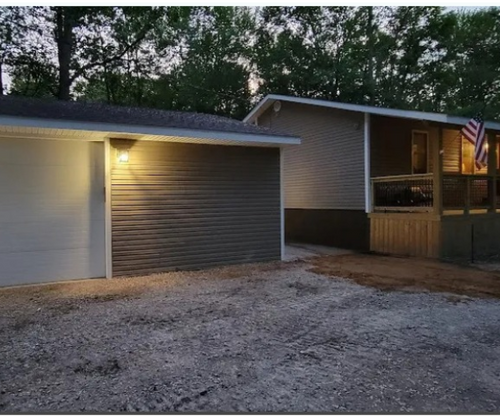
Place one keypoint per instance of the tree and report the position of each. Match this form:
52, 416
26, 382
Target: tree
222, 59
13, 29
213, 75
476, 64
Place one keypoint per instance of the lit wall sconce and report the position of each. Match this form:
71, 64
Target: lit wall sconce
122, 148
123, 156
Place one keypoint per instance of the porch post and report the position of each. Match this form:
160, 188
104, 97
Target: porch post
437, 178
492, 171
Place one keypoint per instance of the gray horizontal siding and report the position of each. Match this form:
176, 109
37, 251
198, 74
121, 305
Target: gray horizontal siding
184, 206
326, 171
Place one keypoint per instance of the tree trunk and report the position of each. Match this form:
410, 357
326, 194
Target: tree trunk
64, 38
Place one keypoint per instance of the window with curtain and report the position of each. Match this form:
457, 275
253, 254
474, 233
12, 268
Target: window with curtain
419, 155
468, 166
498, 152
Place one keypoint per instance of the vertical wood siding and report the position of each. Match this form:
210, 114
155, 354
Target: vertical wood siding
184, 206
474, 236
405, 234
326, 170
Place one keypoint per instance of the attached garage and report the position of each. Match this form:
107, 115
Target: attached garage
91, 190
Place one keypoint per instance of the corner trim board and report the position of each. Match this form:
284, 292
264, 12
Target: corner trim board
108, 217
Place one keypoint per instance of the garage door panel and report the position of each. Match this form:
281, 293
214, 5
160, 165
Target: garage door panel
67, 264
52, 211
35, 180
32, 153
26, 208
52, 234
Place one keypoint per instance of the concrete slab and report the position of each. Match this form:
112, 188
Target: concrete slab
298, 251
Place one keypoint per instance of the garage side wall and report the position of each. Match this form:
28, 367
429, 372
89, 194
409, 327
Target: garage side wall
323, 176
186, 206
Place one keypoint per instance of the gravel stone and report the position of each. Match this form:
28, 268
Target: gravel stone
255, 338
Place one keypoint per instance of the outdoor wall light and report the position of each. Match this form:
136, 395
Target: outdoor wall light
122, 147
123, 156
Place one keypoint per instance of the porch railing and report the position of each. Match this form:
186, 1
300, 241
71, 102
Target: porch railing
470, 192
415, 193
403, 193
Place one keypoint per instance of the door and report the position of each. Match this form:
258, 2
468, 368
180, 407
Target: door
51, 210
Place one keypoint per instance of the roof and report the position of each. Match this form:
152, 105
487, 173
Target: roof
382, 111
15, 109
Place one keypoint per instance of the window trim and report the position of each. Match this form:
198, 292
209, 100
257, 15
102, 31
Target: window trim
426, 132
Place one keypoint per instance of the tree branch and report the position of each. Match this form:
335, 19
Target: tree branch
114, 58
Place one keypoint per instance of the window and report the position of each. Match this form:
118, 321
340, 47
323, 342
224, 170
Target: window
419, 152
468, 166
468, 161
498, 152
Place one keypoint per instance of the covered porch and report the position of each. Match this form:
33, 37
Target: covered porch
427, 198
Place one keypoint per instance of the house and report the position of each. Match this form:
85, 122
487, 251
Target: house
391, 181
92, 190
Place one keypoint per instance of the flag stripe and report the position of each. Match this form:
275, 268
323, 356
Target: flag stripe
474, 132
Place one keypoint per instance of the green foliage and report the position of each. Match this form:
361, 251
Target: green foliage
222, 59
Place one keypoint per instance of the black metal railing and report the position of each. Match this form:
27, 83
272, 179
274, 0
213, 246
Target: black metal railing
403, 193
409, 193
467, 192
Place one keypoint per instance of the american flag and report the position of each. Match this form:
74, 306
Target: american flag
474, 133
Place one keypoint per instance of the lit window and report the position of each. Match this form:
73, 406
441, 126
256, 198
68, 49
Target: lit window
468, 166
498, 152
468, 161
419, 150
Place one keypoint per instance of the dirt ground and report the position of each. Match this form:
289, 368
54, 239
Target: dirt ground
393, 273
272, 337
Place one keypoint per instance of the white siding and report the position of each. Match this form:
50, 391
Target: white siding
326, 171
51, 211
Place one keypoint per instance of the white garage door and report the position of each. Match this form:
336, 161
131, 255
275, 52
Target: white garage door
51, 210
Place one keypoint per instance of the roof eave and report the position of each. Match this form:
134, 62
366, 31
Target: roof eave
265, 103
113, 128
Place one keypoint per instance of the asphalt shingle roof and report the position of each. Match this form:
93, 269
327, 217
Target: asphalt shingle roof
80, 111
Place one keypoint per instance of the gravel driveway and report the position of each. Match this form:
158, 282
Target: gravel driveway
273, 337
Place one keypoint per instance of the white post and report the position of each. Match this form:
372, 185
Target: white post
368, 193
282, 204
108, 219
